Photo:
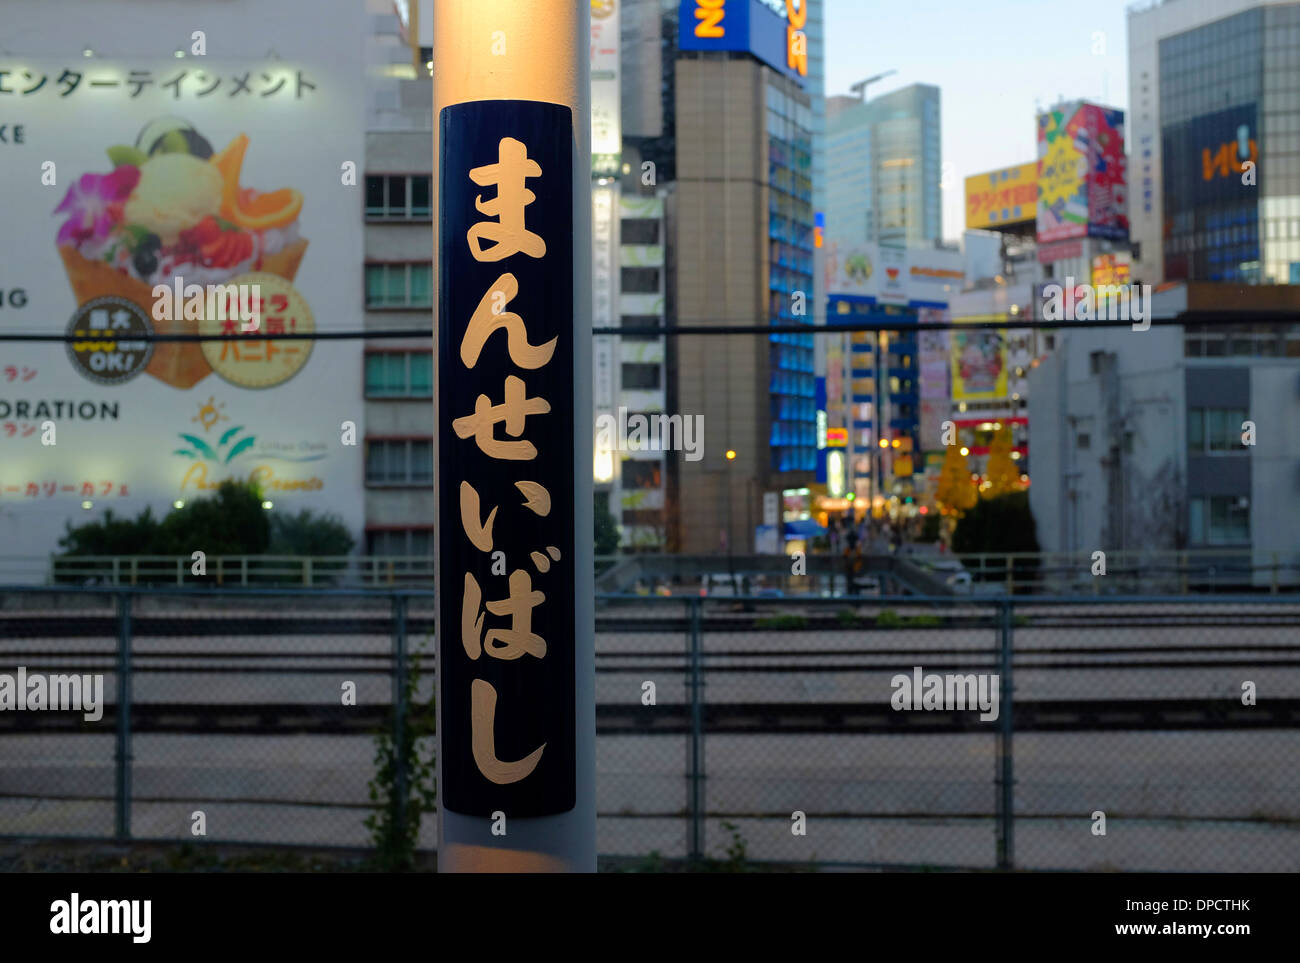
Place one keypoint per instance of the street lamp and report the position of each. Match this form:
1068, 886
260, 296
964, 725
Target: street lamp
731, 558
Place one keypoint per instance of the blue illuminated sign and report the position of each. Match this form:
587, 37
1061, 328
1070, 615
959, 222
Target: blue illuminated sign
763, 28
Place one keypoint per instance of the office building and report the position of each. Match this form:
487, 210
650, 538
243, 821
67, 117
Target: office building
1214, 87
883, 163
743, 255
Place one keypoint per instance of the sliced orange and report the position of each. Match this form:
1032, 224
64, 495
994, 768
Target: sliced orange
275, 209
229, 162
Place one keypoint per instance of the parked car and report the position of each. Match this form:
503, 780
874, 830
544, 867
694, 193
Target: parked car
953, 573
718, 584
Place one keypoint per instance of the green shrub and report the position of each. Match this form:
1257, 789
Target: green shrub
888, 619
784, 621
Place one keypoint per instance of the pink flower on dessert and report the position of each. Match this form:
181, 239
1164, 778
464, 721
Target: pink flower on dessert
94, 204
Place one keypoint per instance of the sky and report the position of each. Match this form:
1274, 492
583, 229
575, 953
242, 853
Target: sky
995, 63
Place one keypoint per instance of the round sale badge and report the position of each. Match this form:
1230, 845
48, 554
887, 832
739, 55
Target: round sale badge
108, 355
259, 304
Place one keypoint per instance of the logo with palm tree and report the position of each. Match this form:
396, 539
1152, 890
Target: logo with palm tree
229, 445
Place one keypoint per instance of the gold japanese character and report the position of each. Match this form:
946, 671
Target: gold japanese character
479, 533
508, 235
482, 714
506, 644
513, 411
488, 317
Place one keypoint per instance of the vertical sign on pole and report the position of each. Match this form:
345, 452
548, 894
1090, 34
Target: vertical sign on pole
513, 489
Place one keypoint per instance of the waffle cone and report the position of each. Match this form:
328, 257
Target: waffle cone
178, 363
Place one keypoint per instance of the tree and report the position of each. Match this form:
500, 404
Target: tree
955, 491
607, 536
1002, 474
112, 536
232, 522
997, 526
307, 533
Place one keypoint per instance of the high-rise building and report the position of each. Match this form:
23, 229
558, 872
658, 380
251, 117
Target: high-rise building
744, 254
1214, 89
883, 163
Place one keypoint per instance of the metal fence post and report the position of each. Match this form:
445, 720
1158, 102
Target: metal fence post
695, 763
1006, 799
399, 710
122, 755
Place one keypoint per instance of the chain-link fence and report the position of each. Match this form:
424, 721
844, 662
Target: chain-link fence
944, 733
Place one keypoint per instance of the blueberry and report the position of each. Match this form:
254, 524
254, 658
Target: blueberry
145, 261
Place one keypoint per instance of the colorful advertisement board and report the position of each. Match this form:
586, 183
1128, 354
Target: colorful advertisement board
771, 30
1005, 196
180, 196
1082, 173
1109, 269
979, 364
893, 275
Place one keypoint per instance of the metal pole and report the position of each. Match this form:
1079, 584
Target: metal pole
695, 774
399, 709
122, 755
1006, 798
488, 53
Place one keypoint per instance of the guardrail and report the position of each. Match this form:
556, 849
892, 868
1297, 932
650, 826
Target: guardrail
913, 569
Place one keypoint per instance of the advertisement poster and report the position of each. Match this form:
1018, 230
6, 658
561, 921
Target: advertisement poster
178, 196
1082, 173
933, 362
1008, 195
893, 275
1062, 175
979, 364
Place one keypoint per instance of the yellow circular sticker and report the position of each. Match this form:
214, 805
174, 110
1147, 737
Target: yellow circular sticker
257, 304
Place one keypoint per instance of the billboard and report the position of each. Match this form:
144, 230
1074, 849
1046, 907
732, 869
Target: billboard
771, 30
1082, 173
893, 275
606, 129
1110, 269
1008, 195
978, 364
157, 196
932, 376
1205, 159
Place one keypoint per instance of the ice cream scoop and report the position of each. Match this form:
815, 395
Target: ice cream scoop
175, 192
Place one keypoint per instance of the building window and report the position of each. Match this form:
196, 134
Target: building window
1085, 441
404, 461
642, 474
1219, 520
1214, 429
640, 321
399, 374
640, 280
399, 196
641, 376
399, 285
640, 230
406, 550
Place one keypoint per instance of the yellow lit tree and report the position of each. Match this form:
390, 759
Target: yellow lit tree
955, 491
1002, 474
